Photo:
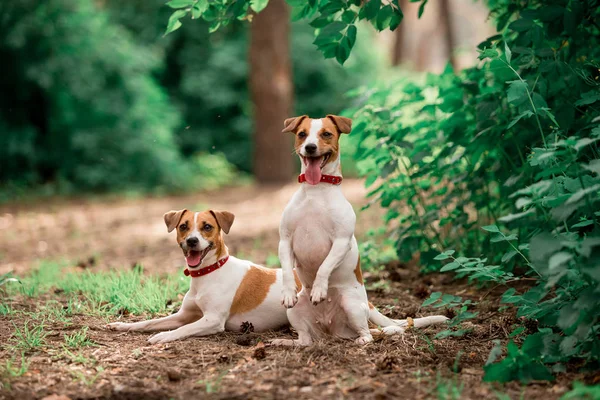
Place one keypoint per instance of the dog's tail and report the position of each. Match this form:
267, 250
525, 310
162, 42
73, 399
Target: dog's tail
381, 320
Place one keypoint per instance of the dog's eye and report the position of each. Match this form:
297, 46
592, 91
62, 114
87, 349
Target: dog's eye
301, 134
183, 227
327, 134
207, 227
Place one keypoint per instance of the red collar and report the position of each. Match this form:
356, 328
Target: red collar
334, 180
206, 270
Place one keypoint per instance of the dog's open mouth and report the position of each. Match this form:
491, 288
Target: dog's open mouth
195, 257
314, 165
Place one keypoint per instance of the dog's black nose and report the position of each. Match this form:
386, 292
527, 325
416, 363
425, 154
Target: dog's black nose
192, 241
310, 148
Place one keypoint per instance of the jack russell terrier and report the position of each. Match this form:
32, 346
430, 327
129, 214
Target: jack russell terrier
224, 291
317, 237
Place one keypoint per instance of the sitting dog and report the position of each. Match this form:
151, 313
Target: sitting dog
224, 291
317, 237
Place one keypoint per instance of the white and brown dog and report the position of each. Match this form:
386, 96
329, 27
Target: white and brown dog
317, 237
224, 291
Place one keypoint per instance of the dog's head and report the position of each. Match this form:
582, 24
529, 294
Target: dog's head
317, 141
199, 233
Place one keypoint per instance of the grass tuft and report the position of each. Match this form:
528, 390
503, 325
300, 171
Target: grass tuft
29, 338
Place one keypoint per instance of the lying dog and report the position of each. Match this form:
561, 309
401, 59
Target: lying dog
225, 292
317, 237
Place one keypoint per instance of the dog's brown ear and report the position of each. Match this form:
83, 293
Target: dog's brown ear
172, 219
291, 124
343, 124
224, 219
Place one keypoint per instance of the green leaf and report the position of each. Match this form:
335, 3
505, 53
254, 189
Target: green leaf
384, 17
450, 266
507, 52
513, 217
258, 5
433, 297
521, 25
347, 43
396, 19
422, 8
199, 8
583, 224
524, 114
174, 23
509, 256
498, 372
559, 259
491, 228
517, 92
588, 98
593, 166
180, 3
582, 193
371, 9
488, 53
495, 352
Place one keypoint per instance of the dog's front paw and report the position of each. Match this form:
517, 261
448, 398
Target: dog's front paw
290, 298
118, 326
318, 292
163, 337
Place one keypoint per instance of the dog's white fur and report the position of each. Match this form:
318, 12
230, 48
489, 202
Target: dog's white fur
317, 236
206, 306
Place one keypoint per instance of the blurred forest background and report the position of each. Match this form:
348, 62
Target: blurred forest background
95, 99
475, 125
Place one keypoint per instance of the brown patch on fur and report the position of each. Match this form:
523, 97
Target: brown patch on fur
343, 124
224, 219
298, 282
329, 143
371, 306
303, 125
172, 219
358, 272
253, 290
290, 124
187, 221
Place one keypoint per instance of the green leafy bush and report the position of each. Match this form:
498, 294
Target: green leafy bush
80, 106
512, 142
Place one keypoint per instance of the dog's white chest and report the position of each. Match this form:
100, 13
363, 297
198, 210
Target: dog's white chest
314, 218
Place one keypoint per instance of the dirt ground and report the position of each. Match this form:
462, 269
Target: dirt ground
102, 234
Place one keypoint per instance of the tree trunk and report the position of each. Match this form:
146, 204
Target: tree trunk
447, 31
272, 93
398, 37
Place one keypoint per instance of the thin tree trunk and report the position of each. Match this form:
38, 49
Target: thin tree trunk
272, 92
398, 37
448, 31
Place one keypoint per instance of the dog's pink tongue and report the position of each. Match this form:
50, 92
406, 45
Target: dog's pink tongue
313, 170
193, 259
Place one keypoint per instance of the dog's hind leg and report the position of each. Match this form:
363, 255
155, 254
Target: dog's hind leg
357, 311
299, 317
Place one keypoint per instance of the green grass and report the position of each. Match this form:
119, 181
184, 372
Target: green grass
29, 337
12, 369
448, 388
102, 293
78, 339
